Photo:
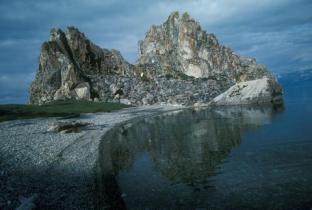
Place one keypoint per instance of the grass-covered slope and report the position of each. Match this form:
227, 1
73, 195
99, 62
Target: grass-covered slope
55, 109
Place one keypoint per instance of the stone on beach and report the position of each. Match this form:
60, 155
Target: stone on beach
67, 127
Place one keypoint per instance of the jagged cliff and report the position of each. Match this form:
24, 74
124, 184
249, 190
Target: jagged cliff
179, 63
181, 46
66, 64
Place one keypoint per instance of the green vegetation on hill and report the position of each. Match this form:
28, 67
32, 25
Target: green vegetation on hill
55, 109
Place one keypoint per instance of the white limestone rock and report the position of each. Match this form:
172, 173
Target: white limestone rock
83, 91
264, 90
125, 101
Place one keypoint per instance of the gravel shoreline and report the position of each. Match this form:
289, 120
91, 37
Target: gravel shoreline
59, 167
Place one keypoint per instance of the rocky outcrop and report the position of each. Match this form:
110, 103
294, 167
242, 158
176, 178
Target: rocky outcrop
179, 63
66, 64
181, 46
251, 92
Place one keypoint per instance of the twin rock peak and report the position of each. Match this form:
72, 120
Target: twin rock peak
178, 63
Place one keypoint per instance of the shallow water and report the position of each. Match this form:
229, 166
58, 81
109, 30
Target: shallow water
222, 158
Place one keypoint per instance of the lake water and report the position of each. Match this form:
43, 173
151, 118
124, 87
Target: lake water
222, 158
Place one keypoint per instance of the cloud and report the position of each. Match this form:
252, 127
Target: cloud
277, 33
19, 55
14, 87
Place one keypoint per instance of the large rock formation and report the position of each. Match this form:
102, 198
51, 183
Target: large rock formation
67, 63
181, 46
179, 63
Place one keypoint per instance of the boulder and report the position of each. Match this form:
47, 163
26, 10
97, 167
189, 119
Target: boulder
59, 95
67, 127
125, 101
83, 91
258, 91
148, 99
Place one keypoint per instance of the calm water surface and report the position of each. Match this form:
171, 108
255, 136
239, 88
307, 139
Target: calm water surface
223, 158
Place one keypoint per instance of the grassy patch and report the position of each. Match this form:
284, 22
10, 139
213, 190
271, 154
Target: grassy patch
55, 109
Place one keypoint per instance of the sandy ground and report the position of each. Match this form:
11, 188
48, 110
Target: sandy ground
60, 168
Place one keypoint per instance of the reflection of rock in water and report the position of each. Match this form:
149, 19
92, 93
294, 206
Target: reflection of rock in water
184, 147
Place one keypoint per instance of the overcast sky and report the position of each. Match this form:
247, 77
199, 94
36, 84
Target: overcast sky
277, 33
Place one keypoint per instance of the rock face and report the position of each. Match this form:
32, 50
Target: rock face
179, 63
250, 92
181, 46
67, 63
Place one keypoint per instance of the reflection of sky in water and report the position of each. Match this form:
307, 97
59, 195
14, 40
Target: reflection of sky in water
219, 158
